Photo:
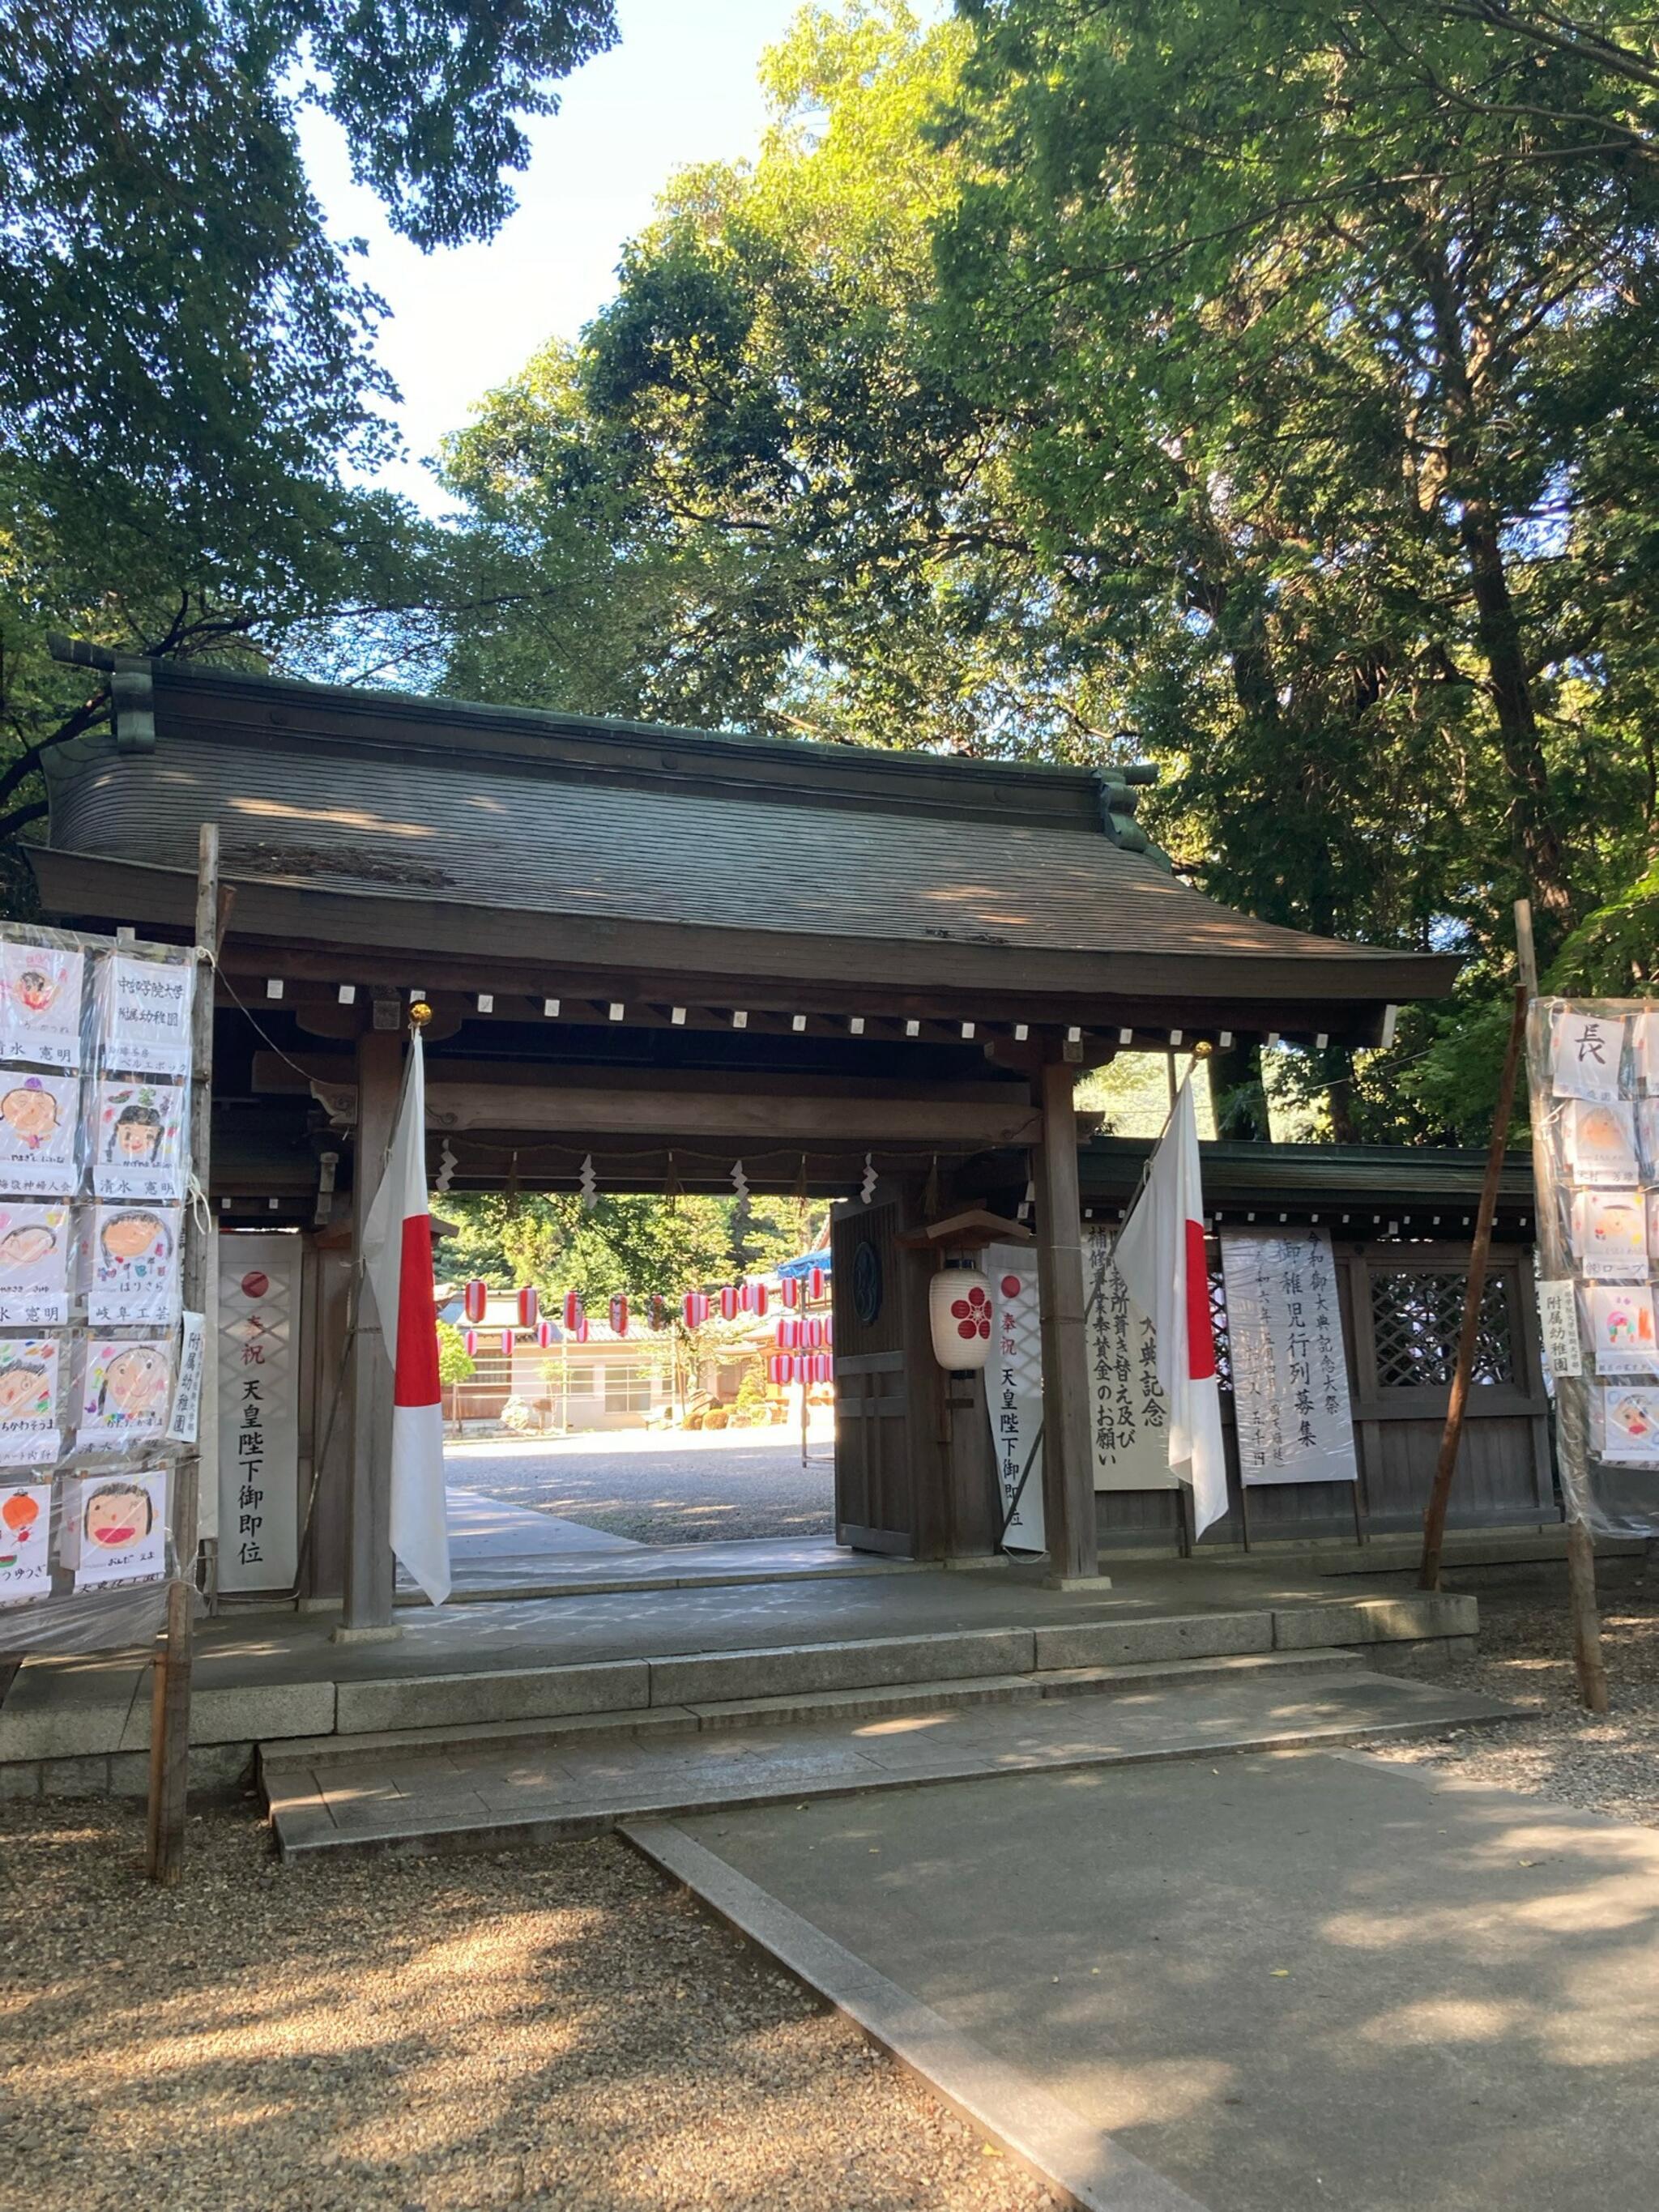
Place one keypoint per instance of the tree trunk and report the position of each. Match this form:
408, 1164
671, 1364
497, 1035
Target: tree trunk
1534, 840
1538, 846
1240, 1096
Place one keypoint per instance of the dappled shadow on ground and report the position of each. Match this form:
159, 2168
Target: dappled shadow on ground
1608, 1763
556, 2027
1287, 1983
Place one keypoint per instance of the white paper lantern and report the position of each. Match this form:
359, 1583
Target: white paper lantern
959, 1315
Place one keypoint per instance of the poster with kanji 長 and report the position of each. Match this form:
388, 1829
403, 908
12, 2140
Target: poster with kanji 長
1289, 1370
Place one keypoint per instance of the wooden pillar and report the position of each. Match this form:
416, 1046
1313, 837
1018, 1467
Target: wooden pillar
1069, 1475
169, 1739
370, 1569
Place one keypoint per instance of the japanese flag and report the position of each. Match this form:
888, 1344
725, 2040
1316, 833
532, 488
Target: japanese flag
1160, 1255
398, 1258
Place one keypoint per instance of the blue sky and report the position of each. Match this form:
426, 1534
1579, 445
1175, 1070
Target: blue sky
679, 88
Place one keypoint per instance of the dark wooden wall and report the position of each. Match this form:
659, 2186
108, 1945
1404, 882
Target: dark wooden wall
1401, 1304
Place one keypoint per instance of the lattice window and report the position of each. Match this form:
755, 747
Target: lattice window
1415, 1321
1223, 1350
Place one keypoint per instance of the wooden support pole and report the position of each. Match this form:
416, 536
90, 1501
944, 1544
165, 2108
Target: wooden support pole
370, 1570
1434, 1519
1068, 1475
169, 1723
1584, 1611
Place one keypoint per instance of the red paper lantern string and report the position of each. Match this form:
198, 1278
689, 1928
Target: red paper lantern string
696, 1308
817, 1283
507, 1344
530, 1306
471, 1340
474, 1298
544, 1333
619, 1316
573, 1312
760, 1302
728, 1302
789, 1291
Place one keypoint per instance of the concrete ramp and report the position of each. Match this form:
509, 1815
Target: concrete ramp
406, 1798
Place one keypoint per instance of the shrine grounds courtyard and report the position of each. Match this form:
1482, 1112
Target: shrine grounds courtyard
560, 2028
649, 1488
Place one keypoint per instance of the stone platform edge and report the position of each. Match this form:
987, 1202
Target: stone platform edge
55, 1749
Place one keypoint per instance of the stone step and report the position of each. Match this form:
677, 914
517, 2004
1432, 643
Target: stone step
468, 1699
280, 1760
492, 1798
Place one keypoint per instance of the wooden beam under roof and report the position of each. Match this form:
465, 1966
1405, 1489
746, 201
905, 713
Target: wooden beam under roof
334, 936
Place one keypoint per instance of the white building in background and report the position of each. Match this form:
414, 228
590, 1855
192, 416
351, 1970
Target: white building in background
608, 1383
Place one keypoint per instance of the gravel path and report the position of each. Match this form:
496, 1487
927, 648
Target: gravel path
546, 2029
1609, 1764
688, 1493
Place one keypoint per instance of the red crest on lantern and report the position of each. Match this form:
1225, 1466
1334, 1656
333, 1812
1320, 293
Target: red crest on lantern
474, 1298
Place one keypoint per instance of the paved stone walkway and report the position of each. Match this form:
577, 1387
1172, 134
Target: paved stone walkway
1324, 1984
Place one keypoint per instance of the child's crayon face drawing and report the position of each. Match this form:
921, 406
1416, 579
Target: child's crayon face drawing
136, 1135
133, 1237
32, 1112
1620, 1227
25, 1248
118, 1514
37, 990
135, 1382
1601, 1131
1631, 1416
25, 1388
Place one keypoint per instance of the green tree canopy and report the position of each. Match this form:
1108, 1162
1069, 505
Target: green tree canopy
188, 391
1271, 392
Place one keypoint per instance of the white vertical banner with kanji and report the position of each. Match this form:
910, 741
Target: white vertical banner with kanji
1013, 1391
1129, 1411
1290, 1374
258, 1413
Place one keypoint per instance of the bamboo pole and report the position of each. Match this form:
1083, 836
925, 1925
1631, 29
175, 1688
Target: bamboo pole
1582, 1608
169, 1736
1434, 1518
